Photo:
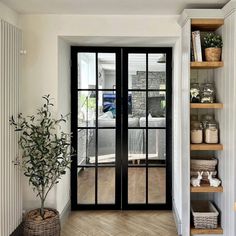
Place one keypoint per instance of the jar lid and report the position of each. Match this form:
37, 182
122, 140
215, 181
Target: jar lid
194, 85
207, 117
208, 83
211, 125
196, 125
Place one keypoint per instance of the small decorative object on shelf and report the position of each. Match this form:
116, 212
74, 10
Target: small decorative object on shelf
205, 179
196, 42
195, 93
213, 45
196, 132
211, 133
196, 181
208, 93
214, 182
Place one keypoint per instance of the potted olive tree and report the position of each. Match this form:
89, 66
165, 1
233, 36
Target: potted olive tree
45, 158
213, 46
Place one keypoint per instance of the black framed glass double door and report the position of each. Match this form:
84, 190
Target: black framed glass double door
121, 124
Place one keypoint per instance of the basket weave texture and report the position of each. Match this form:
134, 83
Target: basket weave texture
213, 54
48, 227
205, 215
203, 164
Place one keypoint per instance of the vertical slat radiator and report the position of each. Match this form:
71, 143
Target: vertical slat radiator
10, 175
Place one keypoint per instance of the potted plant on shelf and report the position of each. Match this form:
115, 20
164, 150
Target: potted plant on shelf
213, 46
45, 158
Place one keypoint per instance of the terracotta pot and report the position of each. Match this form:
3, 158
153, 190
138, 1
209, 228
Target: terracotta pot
33, 225
213, 54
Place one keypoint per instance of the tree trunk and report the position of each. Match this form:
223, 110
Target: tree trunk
42, 203
42, 208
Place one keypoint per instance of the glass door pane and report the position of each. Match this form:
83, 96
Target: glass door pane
86, 70
136, 185
106, 70
157, 71
157, 185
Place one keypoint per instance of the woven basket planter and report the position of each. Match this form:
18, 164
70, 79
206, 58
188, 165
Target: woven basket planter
205, 215
207, 164
213, 54
47, 227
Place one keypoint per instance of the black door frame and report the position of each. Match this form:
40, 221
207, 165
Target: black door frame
121, 166
168, 164
74, 112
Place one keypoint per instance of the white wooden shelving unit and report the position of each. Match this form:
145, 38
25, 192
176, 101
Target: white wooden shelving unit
224, 74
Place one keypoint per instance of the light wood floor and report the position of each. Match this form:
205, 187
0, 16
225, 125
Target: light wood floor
120, 223
136, 185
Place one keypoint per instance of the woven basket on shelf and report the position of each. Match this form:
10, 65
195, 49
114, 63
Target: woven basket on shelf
205, 215
47, 227
207, 164
213, 54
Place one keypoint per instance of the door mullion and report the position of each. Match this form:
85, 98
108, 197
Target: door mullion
118, 163
96, 133
146, 128
124, 142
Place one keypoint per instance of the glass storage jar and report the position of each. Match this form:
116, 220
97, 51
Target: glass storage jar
211, 132
205, 119
196, 132
195, 93
208, 93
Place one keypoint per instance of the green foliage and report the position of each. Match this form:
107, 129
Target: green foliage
90, 102
212, 40
46, 154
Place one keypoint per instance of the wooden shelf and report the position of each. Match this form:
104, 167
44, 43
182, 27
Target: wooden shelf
206, 24
206, 105
206, 64
218, 230
206, 147
206, 188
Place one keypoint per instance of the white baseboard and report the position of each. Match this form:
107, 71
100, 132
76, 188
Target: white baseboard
65, 213
177, 219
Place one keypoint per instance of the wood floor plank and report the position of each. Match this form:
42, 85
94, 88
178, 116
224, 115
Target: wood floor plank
120, 223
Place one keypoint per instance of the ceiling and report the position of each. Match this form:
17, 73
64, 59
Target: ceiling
121, 7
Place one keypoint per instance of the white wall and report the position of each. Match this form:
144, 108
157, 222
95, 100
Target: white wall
176, 132
185, 121
63, 97
43, 61
9, 15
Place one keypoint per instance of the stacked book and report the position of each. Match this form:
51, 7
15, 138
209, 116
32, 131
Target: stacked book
196, 46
